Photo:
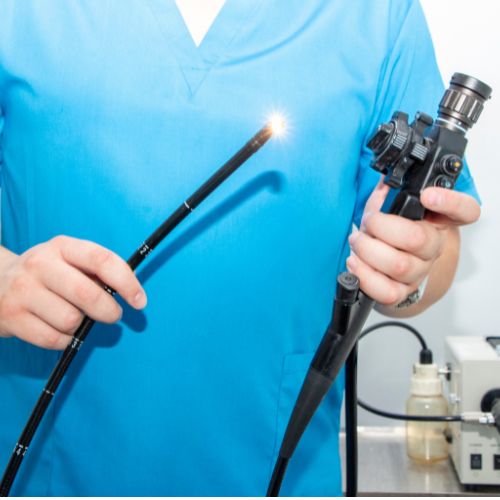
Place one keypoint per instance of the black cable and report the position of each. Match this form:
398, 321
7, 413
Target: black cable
250, 148
399, 416
411, 418
398, 324
351, 423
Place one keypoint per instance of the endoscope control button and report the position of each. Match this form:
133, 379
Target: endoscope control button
443, 181
476, 461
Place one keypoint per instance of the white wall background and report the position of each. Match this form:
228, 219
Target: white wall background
466, 36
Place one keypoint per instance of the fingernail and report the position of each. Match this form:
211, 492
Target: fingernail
140, 300
353, 237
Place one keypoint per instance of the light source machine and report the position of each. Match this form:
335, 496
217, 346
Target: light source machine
468, 430
473, 375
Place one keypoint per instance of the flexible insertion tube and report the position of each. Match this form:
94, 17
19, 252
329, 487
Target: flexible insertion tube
57, 375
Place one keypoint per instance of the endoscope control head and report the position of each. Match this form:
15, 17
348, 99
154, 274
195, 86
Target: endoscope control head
427, 153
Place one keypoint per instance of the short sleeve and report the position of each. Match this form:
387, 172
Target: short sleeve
410, 81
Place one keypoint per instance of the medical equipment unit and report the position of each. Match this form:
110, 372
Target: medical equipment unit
473, 387
454, 409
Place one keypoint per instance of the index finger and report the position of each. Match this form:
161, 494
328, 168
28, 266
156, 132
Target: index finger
111, 269
459, 207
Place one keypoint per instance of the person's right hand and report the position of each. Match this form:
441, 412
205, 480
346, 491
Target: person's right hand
45, 291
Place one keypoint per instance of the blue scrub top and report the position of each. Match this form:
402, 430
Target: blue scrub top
111, 117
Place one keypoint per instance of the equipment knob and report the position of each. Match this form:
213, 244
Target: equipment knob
443, 181
419, 152
389, 142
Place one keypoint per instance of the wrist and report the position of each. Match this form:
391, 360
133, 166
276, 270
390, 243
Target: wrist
411, 306
414, 297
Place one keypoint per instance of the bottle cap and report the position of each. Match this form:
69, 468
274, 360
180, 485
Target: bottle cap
425, 380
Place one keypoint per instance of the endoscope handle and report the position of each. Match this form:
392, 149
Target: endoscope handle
405, 205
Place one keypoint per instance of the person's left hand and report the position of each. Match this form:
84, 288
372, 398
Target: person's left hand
392, 255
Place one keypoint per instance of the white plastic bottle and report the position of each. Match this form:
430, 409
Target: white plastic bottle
425, 441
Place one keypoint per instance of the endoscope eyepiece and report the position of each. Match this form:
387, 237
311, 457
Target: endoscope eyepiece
463, 101
471, 83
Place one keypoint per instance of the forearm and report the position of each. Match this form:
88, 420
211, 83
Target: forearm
440, 278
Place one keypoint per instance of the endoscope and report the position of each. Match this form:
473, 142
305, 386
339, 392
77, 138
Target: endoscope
412, 157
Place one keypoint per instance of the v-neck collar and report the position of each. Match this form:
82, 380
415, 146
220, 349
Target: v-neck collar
196, 62
199, 15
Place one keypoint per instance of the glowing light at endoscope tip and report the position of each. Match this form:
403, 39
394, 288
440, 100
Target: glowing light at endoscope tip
277, 124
